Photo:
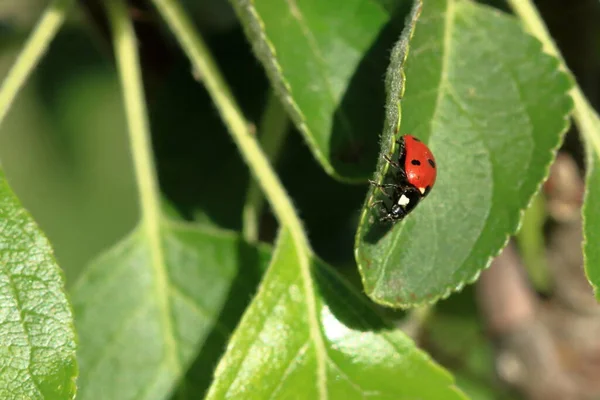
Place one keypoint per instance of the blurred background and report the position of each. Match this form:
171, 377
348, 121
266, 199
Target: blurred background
63, 145
64, 149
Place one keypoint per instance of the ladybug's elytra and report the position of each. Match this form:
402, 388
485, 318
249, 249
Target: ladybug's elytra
414, 176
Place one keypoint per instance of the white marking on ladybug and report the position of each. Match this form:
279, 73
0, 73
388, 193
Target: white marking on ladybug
422, 190
403, 201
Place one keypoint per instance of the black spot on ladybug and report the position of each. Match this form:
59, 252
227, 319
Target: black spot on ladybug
415, 162
431, 162
427, 189
416, 139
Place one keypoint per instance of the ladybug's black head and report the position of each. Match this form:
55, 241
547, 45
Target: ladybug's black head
405, 201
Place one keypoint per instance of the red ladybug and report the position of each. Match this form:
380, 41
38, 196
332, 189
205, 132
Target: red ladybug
414, 176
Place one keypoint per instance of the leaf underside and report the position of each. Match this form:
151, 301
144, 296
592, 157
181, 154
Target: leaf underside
325, 60
143, 318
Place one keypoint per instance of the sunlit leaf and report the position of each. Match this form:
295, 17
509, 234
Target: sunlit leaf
37, 338
312, 337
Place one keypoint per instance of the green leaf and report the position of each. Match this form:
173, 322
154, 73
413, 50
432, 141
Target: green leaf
531, 243
492, 108
143, 316
345, 352
589, 124
323, 59
37, 339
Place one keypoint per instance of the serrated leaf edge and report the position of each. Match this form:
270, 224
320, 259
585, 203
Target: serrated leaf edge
265, 51
553, 151
393, 120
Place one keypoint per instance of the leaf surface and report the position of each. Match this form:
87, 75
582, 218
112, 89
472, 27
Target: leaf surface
37, 337
144, 316
280, 351
492, 108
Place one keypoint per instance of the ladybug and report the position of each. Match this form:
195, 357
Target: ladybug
414, 176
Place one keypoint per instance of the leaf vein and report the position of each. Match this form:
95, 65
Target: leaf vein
200, 310
290, 368
19, 307
264, 318
312, 43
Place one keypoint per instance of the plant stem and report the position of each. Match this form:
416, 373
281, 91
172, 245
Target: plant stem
35, 47
585, 116
135, 107
271, 135
417, 318
139, 136
204, 64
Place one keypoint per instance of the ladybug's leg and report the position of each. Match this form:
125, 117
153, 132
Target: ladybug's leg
382, 186
401, 148
382, 208
379, 203
386, 218
397, 164
391, 162
401, 173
